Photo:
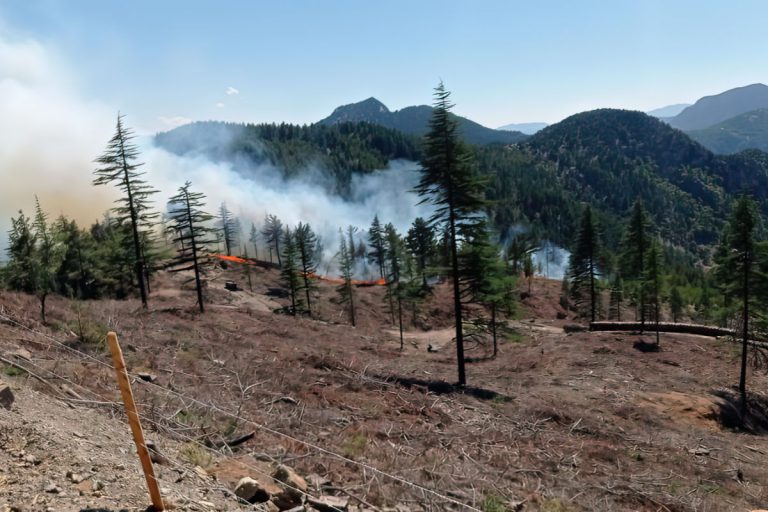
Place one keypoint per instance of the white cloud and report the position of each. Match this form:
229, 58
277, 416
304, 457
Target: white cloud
174, 121
231, 91
219, 105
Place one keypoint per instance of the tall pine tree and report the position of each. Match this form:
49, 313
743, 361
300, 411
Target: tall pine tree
118, 166
584, 267
449, 181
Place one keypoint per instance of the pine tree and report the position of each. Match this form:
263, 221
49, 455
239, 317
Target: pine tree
273, 234
254, 239
289, 272
376, 243
485, 278
616, 297
421, 244
652, 282
675, 303
584, 266
739, 276
75, 276
449, 181
188, 219
118, 166
230, 229
22, 264
393, 250
306, 242
346, 290
47, 258
633, 255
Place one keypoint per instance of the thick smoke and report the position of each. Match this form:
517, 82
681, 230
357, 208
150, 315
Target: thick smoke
385, 193
49, 138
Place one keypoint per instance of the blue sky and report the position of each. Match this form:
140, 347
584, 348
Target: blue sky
505, 61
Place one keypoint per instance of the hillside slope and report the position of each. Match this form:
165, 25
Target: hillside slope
745, 131
543, 427
414, 121
714, 109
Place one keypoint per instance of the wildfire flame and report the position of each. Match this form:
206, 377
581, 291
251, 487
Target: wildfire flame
312, 275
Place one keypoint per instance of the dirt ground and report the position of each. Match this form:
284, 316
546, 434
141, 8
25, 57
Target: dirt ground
557, 422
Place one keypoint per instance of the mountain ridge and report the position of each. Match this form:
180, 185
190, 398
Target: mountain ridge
711, 110
414, 120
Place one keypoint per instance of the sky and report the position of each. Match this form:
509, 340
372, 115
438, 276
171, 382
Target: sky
166, 62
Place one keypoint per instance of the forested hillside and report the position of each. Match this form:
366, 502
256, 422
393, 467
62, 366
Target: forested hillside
339, 149
415, 120
745, 131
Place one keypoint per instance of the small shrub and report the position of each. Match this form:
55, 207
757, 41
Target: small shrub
12, 371
196, 455
354, 445
493, 503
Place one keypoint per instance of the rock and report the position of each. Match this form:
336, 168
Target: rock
289, 477
51, 488
147, 377
75, 478
6, 395
561, 315
251, 491
154, 453
21, 353
317, 481
329, 503
569, 328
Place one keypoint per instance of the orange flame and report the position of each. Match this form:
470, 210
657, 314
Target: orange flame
312, 275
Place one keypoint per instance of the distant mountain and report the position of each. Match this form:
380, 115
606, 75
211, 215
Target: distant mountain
711, 110
610, 157
668, 111
526, 128
745, 131
414, 121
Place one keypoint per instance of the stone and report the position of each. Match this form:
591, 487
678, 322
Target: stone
329, 503
251, 490
289, 477
75, 478
317, 481
6, 395
147, 377
51, 488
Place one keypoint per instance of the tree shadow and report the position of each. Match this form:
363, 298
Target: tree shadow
752, 419
645, 347
441, 387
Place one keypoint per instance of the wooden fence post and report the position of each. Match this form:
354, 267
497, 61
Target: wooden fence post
133, 421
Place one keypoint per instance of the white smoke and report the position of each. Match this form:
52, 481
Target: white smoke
260, 189
49, 136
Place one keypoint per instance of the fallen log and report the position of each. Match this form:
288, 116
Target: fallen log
681, 328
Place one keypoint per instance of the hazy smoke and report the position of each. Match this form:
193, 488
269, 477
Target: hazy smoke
49, 137
305, 199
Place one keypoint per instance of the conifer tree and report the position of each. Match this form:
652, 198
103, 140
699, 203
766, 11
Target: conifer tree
254, 239
230, 229
675, 303
306, 242
46, 256
377, 254
118, 166
22, 264
289, 271
739, 275
75, 276
449, 181
652, 282
633, 255
393, 250
421, 244
616, 297
485, 277
346, 290
584, 266
187, 220
273, 234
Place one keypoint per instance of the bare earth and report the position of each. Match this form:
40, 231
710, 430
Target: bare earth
557, 422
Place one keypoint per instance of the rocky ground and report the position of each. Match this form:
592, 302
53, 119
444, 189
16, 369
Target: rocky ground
341, 418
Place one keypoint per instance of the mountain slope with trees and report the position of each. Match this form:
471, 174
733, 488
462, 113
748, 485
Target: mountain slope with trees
745, 131
714, 109
415, 121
